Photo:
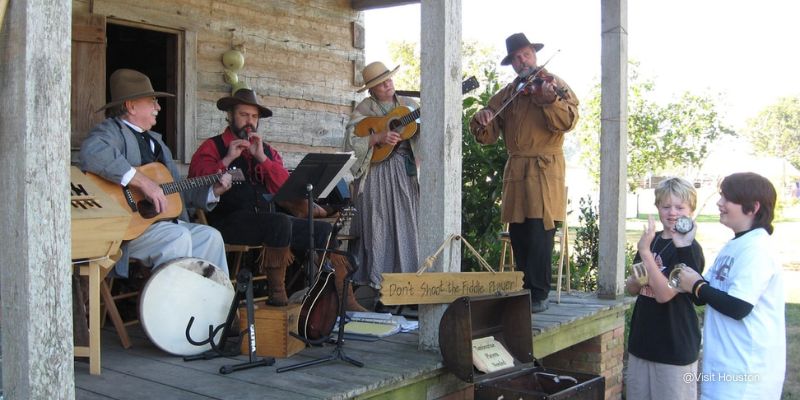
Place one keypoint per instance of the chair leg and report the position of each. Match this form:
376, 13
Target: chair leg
502, 266
113, 312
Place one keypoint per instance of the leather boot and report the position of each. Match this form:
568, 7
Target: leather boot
341, 269
273, 263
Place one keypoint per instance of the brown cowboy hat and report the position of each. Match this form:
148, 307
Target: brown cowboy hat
516, 42
243, 96
127, 84
375, 73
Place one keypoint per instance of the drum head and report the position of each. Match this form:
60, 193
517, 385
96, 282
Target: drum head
181, 289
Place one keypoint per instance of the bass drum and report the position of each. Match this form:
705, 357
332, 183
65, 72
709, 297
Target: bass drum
181, 289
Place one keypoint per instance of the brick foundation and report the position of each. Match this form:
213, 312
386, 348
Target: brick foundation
600, 355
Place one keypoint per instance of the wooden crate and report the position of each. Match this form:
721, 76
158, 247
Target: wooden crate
273, 325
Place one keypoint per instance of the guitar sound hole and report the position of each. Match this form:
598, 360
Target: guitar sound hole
393, 124
146, 209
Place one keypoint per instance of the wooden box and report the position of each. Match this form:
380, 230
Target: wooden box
273, 325
507, 317
98, 221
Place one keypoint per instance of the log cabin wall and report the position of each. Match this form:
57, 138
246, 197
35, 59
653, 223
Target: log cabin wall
302, 57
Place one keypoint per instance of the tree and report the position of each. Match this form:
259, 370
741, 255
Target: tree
776, 130
676, 135
478, 60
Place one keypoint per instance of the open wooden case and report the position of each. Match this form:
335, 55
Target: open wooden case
507, 317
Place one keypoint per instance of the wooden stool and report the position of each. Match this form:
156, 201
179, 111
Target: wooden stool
96, 270
505, 238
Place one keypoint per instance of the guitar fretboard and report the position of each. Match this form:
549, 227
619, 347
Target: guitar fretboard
191, 183
406, 119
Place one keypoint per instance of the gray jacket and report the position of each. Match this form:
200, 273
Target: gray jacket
111, 150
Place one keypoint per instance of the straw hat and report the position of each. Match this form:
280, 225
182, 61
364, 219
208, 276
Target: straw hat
127, 84
243, 96
516, 42
375, 73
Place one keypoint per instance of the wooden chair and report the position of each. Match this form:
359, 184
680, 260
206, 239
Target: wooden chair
109, 305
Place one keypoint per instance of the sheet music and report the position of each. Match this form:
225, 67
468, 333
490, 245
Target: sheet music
325, 192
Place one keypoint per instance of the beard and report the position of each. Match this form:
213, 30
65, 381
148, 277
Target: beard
242, 132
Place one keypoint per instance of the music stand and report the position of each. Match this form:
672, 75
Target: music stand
315, 177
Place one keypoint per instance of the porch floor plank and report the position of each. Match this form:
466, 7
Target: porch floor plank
144, 371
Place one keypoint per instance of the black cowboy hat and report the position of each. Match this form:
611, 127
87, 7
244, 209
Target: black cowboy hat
127, 84
243, 96
516, 42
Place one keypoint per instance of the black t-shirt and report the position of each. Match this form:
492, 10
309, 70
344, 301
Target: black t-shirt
667, 333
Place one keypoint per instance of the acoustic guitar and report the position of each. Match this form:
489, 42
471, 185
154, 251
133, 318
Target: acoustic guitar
143, 212
401, 120
320, 306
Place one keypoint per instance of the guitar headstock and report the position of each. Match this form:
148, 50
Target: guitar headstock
469, 85
236, 174
345, 214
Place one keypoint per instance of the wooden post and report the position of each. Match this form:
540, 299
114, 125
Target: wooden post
613, 146
440, 176
36, 288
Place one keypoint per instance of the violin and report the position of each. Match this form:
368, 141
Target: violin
534, 85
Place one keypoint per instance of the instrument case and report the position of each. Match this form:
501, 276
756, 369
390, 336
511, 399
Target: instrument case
507, 317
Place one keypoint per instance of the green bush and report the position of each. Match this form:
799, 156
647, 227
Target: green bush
482, 184
586, 247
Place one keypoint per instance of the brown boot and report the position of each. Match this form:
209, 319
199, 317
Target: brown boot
274, 261
341, 268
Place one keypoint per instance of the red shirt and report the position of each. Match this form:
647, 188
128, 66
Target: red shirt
207, 161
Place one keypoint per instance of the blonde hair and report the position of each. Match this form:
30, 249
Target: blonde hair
677, 187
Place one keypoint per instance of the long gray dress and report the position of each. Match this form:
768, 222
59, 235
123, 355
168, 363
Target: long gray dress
386, 204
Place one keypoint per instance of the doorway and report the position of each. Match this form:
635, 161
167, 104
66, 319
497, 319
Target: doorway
155, 54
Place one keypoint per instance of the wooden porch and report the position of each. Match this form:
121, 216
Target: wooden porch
394, 367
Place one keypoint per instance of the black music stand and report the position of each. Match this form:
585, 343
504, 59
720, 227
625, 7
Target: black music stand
315, 177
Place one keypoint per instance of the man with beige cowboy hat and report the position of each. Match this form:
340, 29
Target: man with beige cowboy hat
387, 195
245, 215
533, 126
122, 142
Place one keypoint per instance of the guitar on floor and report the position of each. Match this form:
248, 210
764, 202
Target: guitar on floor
401, 120
143, 213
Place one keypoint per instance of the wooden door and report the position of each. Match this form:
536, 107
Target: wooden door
88, 74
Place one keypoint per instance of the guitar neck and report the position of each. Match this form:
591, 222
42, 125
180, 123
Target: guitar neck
408, 118
191, 183
466, 87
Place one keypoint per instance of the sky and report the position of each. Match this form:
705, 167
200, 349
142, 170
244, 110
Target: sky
743, 51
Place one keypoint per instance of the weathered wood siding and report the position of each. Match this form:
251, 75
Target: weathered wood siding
300, 58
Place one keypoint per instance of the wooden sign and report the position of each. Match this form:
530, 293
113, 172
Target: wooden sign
444, 287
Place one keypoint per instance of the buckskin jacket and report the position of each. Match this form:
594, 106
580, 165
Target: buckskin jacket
533, 179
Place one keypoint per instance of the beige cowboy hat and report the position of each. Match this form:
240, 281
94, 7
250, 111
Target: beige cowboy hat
127, 84
243, 96
375, 73
516, 42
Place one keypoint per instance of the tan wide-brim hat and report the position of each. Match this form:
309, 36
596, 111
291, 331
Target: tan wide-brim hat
375, 73
127, 84
516, 42
243, 96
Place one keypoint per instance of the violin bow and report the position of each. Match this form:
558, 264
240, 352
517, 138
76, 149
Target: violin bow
525, 82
